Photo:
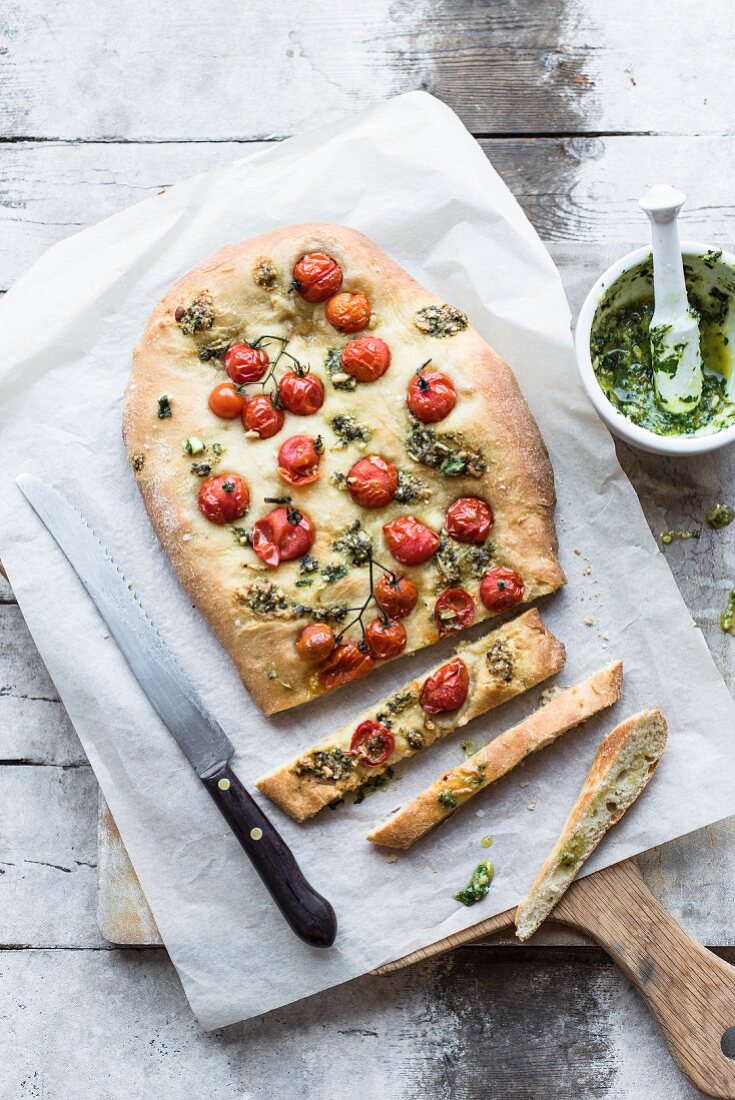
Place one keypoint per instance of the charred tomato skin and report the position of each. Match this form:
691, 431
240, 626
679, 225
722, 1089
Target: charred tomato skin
346, 662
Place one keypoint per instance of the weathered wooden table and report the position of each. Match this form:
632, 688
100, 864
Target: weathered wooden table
580, 105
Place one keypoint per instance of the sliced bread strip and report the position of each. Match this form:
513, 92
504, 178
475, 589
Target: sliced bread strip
501, 665
624, 763
568, 709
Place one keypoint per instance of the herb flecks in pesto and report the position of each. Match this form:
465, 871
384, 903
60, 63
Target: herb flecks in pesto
334, 571
679, 535
348, 430
197, 316
500, 660
355, 543
411, 489
137, 462
620, 347
447, 800
308, 564
164, 407
719, 516
373, 784
328, 764
339, 378
479, 884
441, 321
727, 618
201, 469
444, 451
267, 599
265, 274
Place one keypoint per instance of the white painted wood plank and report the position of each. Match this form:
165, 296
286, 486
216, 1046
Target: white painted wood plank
577, 190
115, 1025
48, 857
254, 70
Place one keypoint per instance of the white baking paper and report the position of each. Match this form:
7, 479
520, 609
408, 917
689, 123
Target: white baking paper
407, 174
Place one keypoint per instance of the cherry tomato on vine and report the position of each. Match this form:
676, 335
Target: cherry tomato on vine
454, 610
396, 595
345, 663
469, 519
299, 458
366, 358
315, 642
410, 542
300, 394
372, 481
282, 535
501, 588
225, 401
223, 499
372, 743
445, 690
431, 396
317, 277
246, 364
261, 416
348, 312
385, 640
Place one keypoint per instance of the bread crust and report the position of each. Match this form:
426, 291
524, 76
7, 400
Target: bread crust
566, 711
218, 572
535, 655
622, 768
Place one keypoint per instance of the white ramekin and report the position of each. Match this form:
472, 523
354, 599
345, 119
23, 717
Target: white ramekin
617, 423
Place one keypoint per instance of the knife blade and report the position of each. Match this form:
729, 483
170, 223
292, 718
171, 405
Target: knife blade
201, 738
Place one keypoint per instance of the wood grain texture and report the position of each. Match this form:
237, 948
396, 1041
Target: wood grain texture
576, 190
255, 70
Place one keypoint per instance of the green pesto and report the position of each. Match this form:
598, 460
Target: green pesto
447, 800
478, 886
620, 344
719, 516
727, 618
677, 534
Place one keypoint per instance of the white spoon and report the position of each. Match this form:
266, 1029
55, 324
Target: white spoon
677, 360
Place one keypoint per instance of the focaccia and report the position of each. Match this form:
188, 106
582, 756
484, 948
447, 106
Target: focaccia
338, 466
439, 801
620, 771
481, 675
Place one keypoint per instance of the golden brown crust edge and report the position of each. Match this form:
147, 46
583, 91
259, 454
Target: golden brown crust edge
567, 711
527, 474
538, 655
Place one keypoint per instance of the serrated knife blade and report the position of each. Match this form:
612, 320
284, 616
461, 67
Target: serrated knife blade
200, 736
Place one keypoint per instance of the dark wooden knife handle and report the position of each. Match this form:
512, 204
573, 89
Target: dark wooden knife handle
310, 915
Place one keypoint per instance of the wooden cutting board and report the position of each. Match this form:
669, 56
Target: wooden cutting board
689, 990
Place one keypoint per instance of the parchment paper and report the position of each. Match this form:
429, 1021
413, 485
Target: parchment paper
407, 174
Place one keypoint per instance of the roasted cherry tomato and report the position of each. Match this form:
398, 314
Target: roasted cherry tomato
348, 312
501, 588
301, 394
315, 642
385, 640
372, 481
282, 535
410, 542
469, 520
261, 416
366, 358
454, 610
396, 595
225, 401
372, 743
224, 498
246, 364
346, 662
299, 458
317, 277
446, 689
431, 396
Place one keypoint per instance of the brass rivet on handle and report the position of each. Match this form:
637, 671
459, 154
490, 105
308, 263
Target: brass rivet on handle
256, 833
223, 784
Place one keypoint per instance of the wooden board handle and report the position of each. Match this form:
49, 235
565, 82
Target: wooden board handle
690, 991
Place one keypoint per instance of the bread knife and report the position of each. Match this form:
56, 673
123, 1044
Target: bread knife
199, 735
